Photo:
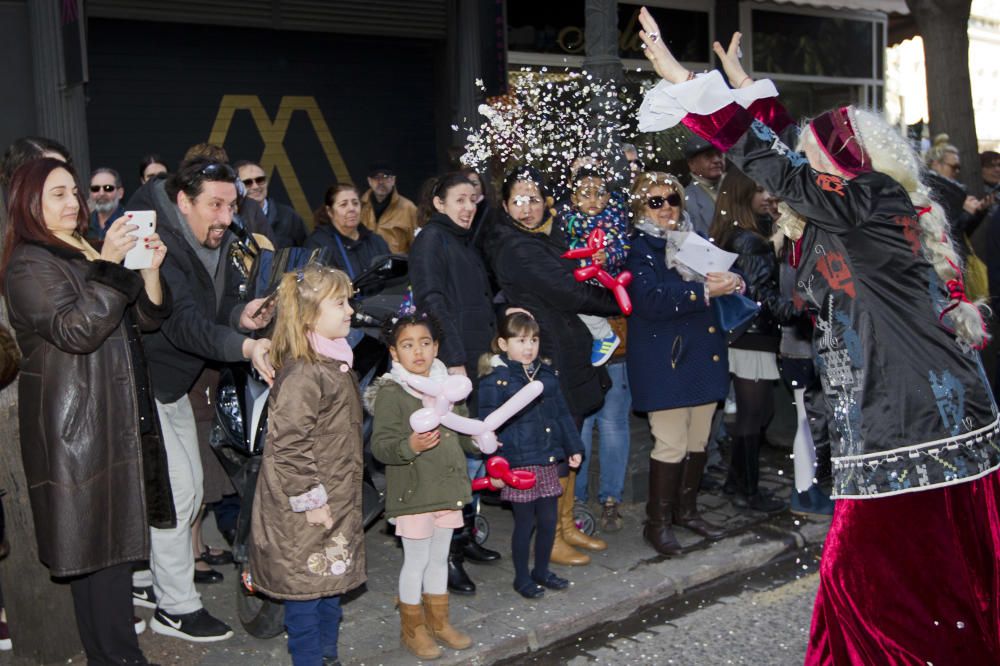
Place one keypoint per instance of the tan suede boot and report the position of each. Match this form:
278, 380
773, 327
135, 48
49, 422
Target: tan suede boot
570, 534
436, 613
414, 633
565, 554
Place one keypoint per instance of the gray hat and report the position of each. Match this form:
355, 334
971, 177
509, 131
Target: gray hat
695, 145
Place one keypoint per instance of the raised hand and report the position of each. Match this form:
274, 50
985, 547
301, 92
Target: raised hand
657, 52
730, 59
119, 240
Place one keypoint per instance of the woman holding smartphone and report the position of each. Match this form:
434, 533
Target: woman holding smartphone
95, 466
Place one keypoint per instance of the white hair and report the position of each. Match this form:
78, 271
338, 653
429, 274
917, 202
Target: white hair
892, 155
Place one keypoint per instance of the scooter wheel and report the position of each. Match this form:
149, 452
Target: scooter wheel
260, 616
584, 519
480, 529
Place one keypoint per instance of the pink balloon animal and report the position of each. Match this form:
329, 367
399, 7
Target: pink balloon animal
596, 242
439, 397
497, 467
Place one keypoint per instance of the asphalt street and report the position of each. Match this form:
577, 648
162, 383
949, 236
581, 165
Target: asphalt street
757, 618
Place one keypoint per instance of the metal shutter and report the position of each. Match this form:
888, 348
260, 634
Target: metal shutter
420, 19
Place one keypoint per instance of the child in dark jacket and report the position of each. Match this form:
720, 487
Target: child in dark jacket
536, 440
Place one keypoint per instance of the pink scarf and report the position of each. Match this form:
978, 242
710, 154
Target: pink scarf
338, 349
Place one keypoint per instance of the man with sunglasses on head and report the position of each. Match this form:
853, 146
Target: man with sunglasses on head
105, 201
287, 227
194, 225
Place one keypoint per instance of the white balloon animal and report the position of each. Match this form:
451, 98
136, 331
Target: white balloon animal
440, 396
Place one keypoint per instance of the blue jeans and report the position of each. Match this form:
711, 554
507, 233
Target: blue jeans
313, 628
613, 429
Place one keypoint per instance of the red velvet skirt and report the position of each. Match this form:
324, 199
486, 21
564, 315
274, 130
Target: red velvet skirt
912, 579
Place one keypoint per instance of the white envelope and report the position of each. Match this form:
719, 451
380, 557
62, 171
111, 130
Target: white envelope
700, 255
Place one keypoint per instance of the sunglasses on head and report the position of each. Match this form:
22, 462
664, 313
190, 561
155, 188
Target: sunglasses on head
259, 180
106, 188
656, 203
218, 171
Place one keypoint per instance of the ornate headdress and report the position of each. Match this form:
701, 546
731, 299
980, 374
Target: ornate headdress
837, 138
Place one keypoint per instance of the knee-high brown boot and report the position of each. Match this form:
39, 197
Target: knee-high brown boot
686, 509
562, 552
664, 482
570, 534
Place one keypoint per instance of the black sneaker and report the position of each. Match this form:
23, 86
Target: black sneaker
143, 596
197, 627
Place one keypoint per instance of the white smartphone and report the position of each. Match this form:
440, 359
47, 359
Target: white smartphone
140, 256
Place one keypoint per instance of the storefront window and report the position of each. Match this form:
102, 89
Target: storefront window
806, 45
559, 29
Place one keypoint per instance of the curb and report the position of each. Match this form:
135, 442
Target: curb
504, 633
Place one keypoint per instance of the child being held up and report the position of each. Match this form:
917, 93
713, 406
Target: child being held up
592, 206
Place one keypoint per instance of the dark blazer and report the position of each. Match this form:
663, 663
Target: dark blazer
450, 283
700, 207
676, 355
287, 227
533, 275
543, 433
90, 440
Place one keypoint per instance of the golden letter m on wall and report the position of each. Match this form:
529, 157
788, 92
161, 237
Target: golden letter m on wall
273, 134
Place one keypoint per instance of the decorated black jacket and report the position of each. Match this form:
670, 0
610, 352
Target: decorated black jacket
910, 407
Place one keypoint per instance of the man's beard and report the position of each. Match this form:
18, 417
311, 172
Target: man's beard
209, 242
105, 207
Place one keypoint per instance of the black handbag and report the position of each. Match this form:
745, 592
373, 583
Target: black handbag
735, 314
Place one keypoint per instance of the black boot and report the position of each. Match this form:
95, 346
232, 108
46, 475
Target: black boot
458, 581
664, 482
756, 499
686, 510
472, 551
736, 478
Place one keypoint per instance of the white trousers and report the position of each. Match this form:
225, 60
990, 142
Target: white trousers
171, 558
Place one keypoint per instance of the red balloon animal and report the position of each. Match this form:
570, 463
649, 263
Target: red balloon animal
497, 467
595, 243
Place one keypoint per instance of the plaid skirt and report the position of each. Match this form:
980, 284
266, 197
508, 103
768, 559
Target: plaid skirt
546, 485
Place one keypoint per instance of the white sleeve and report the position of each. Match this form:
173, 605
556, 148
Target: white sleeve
666, 104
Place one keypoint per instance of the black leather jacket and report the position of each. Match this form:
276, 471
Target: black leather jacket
759, 267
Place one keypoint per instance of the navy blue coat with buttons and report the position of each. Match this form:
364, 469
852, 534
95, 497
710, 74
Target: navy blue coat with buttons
676, 355
543, 433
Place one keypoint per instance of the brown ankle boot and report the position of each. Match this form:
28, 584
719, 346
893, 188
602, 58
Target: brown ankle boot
686, 510
414, 633
436, 613
664, 479
570, 534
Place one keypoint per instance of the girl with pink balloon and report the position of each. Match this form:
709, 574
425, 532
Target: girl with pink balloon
426, 481
535, 440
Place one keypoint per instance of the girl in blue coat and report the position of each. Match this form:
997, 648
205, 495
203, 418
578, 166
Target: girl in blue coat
538, 438
676, 359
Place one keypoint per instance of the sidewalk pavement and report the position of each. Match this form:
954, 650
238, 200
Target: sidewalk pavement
625, 578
